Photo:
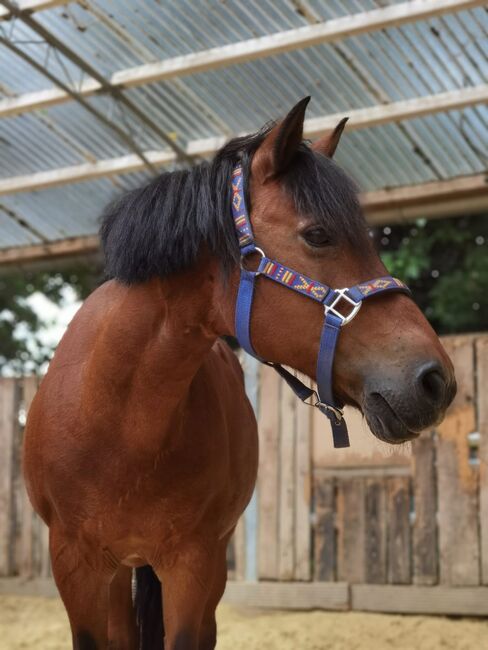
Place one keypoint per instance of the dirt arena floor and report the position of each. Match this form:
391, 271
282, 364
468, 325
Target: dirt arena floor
40, 623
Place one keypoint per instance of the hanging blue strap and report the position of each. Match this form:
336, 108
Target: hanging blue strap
245, 297
243, 333
325, 364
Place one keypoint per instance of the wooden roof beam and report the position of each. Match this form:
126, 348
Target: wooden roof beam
458, 196
57, 249
241, 52
32, 6
358, 119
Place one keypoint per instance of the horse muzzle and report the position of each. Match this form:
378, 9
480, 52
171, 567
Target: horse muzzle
400, 405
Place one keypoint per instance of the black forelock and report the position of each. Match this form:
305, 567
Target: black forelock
322, 190
160, 228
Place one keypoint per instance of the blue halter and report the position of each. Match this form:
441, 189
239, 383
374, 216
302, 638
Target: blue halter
321, 293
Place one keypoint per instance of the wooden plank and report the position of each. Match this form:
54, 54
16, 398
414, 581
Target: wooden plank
411, 599
63, 248
286, 524
482, 404
351, 547
268, 502
84, 172
38, 547
434, 191
32, 6
45, 556
359, 118
239, 540
26, 564
365, 450
459, 550
375, 531
429, 210
303, 490
398, 515
425, 548
324, 532
280, 42
288, 595
8, 413
17, 485
374, 471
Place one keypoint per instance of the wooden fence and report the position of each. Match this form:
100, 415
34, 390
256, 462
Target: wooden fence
371, 527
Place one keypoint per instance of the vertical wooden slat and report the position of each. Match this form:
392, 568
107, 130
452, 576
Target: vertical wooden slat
17, 484
324, 537
269, 439
351, 545
482, 404
8, 412
38, 551
239, 540
303, 489
375, 530
46, 558
398, 509
26, 564
457, 479
286, 525
230, 557
425, 547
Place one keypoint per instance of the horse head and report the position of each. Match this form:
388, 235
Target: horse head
304, 211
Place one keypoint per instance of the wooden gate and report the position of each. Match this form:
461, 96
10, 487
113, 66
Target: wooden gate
371, 527
377, 527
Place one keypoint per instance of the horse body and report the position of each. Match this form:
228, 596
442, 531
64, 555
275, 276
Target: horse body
141, 446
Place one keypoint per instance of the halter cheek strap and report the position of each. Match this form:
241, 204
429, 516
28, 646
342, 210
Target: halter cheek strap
334, 301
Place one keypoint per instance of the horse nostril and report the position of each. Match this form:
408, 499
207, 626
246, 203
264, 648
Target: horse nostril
433, 383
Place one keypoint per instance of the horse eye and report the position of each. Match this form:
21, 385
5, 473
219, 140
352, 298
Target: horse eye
316, 237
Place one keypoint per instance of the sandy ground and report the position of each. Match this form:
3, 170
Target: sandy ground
40, 624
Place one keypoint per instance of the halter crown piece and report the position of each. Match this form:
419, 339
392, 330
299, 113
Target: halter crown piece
332, 300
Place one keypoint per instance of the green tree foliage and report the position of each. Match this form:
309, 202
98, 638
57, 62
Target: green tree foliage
445, 263
17, 315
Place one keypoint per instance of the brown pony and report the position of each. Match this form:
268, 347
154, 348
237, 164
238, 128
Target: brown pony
141, 447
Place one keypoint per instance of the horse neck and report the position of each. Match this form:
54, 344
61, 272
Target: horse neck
155, 336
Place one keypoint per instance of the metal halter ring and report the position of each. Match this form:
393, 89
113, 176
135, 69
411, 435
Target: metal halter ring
341, 294
257, 250
337, 412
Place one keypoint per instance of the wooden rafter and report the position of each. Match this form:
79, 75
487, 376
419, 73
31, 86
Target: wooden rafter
57, 249
32, 6
244, 51
463, 195
358, 119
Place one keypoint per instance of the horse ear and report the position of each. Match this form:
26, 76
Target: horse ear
328, 144
279, 147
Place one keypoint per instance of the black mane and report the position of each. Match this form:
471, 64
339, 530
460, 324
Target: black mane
160, 228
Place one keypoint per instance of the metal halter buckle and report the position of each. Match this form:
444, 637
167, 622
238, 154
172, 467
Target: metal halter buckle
337, 412
257, 250
341, 294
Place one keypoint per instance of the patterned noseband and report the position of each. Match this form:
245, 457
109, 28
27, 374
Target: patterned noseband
333, 301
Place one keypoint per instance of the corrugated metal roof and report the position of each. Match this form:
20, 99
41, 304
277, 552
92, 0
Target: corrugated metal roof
427, 57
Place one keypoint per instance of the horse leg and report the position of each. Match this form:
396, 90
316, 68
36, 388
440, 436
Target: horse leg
208, 630
85, 594
122, 626
186, 586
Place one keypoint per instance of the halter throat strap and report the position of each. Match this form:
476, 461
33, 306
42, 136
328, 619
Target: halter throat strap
333, 301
